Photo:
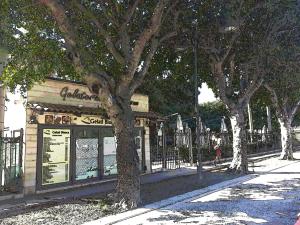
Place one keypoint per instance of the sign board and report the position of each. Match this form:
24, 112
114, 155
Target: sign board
69, 93
56, 156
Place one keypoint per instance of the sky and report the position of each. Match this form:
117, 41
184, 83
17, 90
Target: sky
206, 94
15, 116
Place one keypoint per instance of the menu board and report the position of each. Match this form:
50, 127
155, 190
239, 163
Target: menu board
56, 156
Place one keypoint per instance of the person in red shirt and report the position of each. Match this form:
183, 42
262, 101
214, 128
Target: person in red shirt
217, 148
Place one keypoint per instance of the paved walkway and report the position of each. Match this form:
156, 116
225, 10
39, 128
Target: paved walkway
104, 187
270, 196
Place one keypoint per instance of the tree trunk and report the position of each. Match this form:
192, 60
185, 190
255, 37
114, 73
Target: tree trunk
286, 138
128, 187
239, 161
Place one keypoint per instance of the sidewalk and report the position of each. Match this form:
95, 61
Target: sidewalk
269, 196
109, 185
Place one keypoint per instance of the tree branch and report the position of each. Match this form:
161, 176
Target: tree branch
143, 39
230, 46
217, 70
139, 77
294, 110
275, 101
58, 12
256, 84
127, 17
64, 25
104, 33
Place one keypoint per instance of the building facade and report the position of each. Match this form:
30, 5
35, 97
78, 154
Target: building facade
69, 139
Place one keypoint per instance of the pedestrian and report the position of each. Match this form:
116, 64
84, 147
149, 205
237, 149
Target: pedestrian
298, 219
217, 148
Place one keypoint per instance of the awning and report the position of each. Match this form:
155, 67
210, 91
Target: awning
76, 110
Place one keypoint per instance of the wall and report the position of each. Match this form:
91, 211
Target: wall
30, 159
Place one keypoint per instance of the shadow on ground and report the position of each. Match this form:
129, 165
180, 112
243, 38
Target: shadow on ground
248, 203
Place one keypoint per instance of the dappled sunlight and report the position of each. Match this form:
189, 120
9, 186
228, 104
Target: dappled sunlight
254, 190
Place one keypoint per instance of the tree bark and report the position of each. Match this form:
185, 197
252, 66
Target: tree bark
286, 138
128, 187
239, 161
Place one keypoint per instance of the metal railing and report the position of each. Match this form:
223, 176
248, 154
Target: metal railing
11, 162
178, 153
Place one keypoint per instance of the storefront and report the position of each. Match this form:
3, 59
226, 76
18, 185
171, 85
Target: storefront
69, 139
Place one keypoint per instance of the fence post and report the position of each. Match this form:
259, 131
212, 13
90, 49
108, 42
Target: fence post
164, 164
21, 150
190, 140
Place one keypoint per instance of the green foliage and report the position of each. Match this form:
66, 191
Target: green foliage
36, 50
211, 114
170, 79
259, 101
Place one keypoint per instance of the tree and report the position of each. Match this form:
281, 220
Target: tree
284, 80
169, 83
234, 35
228, 35
107, 44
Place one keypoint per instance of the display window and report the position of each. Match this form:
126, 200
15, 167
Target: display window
110, 156
72, 154
87, 153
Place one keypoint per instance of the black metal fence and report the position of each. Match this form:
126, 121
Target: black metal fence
11, 162
178, 149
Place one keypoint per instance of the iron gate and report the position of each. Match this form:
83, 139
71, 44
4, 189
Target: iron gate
172, 151
11, 152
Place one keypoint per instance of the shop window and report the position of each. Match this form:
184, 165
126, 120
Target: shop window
56, 156
138, 145
110, 154
87, 154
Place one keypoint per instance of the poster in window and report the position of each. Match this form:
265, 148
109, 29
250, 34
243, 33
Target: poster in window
56, 156
86, 158
110, 153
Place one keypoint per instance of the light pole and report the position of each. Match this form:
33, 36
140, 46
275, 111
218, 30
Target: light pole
198, 147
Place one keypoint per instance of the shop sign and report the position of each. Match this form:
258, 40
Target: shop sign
65, 93
92, 120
